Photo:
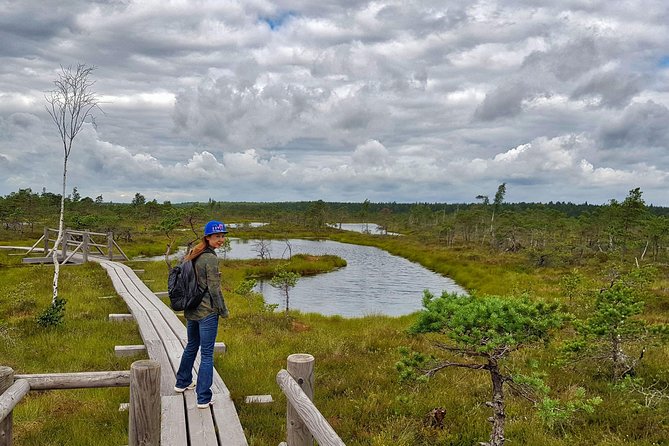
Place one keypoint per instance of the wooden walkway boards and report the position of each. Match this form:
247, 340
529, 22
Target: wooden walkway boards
164, 336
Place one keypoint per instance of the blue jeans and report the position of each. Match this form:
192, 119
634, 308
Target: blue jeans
202, 335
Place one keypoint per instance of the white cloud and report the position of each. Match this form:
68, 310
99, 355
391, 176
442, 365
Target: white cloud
371, 154
13, 102
155, 99
386, 100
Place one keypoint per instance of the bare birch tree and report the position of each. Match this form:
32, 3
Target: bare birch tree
70, 104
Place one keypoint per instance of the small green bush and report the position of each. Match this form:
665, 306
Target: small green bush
53, 316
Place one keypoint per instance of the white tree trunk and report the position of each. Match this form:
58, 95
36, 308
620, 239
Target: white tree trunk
69, 104
54, 254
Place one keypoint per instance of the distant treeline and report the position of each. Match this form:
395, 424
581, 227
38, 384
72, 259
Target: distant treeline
549, 232
358, 208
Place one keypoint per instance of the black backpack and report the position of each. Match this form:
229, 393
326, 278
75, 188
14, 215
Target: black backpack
182, 287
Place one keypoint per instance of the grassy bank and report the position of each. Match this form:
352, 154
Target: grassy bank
85, 343
357, 387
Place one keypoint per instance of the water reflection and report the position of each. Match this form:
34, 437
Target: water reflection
253, 224
373, 282
365, 228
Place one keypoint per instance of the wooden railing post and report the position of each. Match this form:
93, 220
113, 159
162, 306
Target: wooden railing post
46, 241
6, 380
66, 235
144, 424
84, 247
110, 245
301, 368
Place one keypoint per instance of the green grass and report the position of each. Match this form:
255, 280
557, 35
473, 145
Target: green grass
85, 343
356, 385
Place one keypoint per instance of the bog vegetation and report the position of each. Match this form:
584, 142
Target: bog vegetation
562, 341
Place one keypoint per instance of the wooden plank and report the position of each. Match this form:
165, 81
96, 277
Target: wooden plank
31, 260
142, 293
129, 350
307, 411
227, 422
258, 399
117, 317
120, 286
11, 397
7, 423
175, 351
165, 336
176, 325
79, 380
173, 421
156, 351
140, 286
220, 386
162, 327
136, 310
146, 328
130, 274
201, 429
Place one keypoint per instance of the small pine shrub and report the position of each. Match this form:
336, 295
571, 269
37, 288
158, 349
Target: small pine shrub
245, 287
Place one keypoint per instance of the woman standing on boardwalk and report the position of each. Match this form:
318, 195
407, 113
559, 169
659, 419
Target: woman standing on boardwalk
202, 321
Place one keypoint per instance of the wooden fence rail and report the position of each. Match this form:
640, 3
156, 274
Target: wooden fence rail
304, 421
143, 380
80, 380
78, 242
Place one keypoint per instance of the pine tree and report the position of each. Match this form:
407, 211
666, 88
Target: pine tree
484, 331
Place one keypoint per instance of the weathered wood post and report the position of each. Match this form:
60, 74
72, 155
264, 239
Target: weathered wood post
66, 236
144, 423
46, 241
301, 368
110, 245
84, 246
6, 380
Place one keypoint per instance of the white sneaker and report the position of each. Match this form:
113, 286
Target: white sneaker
205, 405
191, 386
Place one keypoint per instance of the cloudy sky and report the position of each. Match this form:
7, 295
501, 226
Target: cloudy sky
343, 100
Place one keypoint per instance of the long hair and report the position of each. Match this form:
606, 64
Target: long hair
197, 250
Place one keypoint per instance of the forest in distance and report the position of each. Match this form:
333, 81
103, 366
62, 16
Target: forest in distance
587, 285
553, 231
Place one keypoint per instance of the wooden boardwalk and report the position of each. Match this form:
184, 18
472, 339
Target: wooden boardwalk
181, 422
164, 336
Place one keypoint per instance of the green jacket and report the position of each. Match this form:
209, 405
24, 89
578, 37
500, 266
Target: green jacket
208, 276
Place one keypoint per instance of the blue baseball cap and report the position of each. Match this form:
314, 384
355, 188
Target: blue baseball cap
214, 227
